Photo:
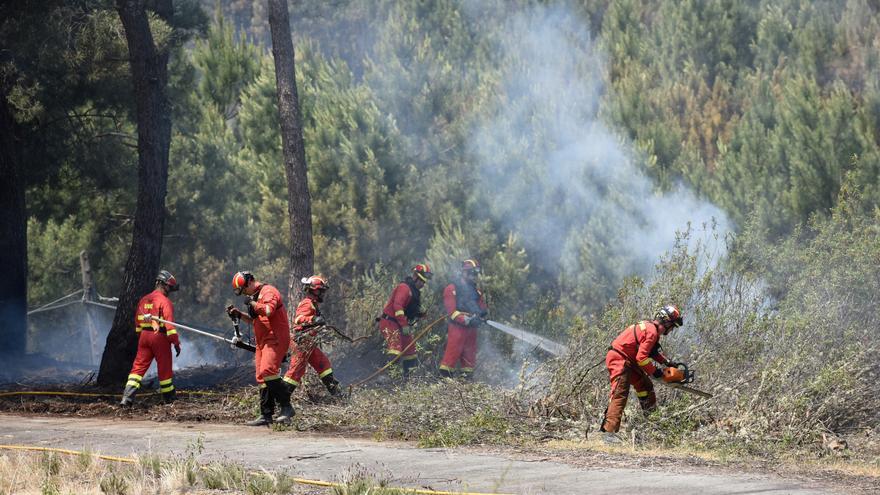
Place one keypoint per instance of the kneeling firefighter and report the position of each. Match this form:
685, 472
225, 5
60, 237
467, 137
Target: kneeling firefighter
265, 309
629, 362
304, 345
400, 313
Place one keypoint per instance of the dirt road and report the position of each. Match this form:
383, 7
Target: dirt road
329, 458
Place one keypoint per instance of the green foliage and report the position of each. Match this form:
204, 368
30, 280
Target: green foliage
769, 109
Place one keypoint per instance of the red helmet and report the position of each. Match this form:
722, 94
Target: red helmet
471, 266
240, 281
168, 279
423, 272
314, 283
669, 314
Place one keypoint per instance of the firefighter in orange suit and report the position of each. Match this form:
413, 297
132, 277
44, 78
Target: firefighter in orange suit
399, 315
630, 362
466, 308
155, 340
304, 347
265, 309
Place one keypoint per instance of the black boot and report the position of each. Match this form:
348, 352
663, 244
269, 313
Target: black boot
446, 373
128, 395
282, 396
291, 387
267, 407
169, 397
408, 366
332, 385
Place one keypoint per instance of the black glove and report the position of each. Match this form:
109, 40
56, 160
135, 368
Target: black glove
658, 373
318, 320
177, 350
471, 320
252, 311
233, 312
484, 314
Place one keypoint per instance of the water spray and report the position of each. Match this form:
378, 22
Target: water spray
547, 345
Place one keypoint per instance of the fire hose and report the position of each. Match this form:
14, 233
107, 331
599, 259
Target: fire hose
237, 342
415, 339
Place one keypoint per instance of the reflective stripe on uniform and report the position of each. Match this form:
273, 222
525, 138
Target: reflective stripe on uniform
171, 332
134, 380
399, 312
467, 370
148, 306
326, 372
165, 382
645, 362
642, 394
167, 389
290, 381
262, 385
446, 368
270, 378
455, 314
393, 351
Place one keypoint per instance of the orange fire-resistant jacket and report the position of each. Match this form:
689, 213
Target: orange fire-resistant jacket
271, 316
306, 311
157, 304
640, 343
399, 305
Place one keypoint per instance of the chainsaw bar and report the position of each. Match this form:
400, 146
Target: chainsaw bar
690, 390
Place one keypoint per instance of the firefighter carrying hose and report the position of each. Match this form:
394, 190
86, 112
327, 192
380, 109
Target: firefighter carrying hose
304, 345
466, 308
629, 362
155, 340
265, 309
401, 313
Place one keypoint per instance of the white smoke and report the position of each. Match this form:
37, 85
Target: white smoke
554, 173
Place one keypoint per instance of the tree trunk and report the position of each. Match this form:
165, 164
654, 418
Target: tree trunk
149, 71
299, 207
13, 237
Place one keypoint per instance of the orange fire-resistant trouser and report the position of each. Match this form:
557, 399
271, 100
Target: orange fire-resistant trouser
306, 353
267, 360
152, 345
461, 343
395, 341
622, 374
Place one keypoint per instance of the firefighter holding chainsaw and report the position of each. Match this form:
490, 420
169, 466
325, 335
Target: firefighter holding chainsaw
304, 346
400, 314
467, 309
265, 309
154, 339
630, 361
